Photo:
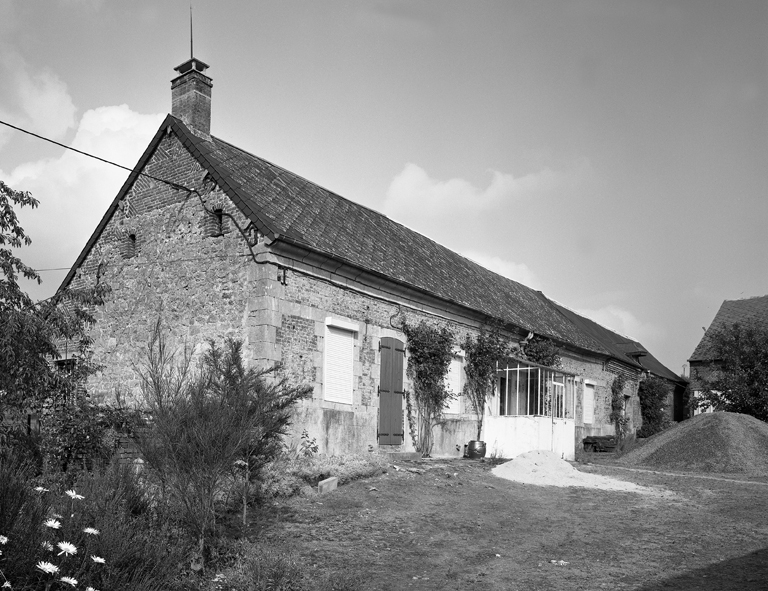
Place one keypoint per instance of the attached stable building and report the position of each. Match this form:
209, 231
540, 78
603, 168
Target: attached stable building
218, 242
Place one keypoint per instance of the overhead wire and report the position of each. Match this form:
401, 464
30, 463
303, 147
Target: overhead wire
172, 184
110, 162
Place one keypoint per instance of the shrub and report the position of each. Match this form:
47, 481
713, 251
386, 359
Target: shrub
653, 393
103, 543
204, 425
541, 350
22, 512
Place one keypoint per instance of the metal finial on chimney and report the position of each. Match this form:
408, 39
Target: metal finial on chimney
191, 38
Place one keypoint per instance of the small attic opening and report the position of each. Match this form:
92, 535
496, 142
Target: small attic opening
128, 246
216, 223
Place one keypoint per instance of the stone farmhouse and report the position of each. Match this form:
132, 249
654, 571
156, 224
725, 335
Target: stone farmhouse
219, 242
749, 310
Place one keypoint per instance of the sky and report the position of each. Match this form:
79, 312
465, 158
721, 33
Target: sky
610, 153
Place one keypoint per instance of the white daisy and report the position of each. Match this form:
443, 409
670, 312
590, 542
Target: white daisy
3, 540
66, 548
41, 489
47, 567
47, 546
53, 524
69, 581
7, 585
73, 495
90, 589
97, 559
91, 531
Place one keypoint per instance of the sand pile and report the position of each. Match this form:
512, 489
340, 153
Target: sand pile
721, 442
545, 468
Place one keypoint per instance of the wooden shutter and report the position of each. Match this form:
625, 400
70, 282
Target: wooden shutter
391, 430
339, 363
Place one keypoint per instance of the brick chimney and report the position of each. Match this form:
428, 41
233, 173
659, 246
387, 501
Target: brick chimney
191, 96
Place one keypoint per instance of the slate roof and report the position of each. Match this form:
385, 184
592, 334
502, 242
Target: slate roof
285, 206
731, 312
620, 347
293, 208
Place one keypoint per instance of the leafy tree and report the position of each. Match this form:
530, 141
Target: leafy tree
205, 420
653, 393
429, 356
482, 353
737, 378
32, 332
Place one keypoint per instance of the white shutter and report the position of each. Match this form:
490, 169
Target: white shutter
339, 363
453, 384
589, 403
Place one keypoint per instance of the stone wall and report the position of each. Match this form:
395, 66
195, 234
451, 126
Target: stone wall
597, 373
197, 284
303, 303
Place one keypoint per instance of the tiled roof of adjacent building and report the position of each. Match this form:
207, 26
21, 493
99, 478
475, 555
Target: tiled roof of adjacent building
731, 312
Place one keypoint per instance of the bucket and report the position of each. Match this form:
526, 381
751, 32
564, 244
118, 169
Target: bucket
476, 450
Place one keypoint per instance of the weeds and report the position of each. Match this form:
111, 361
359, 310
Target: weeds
288, 475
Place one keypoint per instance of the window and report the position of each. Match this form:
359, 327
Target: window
216, 224
453, 383
526, 389
128, 246
588, 409
66, 365
338, 369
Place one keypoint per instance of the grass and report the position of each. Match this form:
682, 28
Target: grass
455, 526
452, 525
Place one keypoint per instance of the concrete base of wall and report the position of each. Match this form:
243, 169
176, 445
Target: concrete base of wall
508, 437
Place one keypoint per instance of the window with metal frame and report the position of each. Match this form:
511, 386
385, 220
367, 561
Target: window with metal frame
527, 389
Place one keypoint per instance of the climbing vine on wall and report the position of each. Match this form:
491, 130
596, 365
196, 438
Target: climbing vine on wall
482, 353
618, 416
429, 356
541, 350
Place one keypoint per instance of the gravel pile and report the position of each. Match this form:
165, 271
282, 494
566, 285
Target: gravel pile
721, 442
545, 468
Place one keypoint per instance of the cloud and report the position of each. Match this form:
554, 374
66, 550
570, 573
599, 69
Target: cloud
625, 323
74, 191
38, 101
516, 271
413, 194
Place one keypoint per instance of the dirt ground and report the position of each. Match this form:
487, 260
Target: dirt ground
453, 525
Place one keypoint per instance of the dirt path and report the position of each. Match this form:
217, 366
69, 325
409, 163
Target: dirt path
453, 525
